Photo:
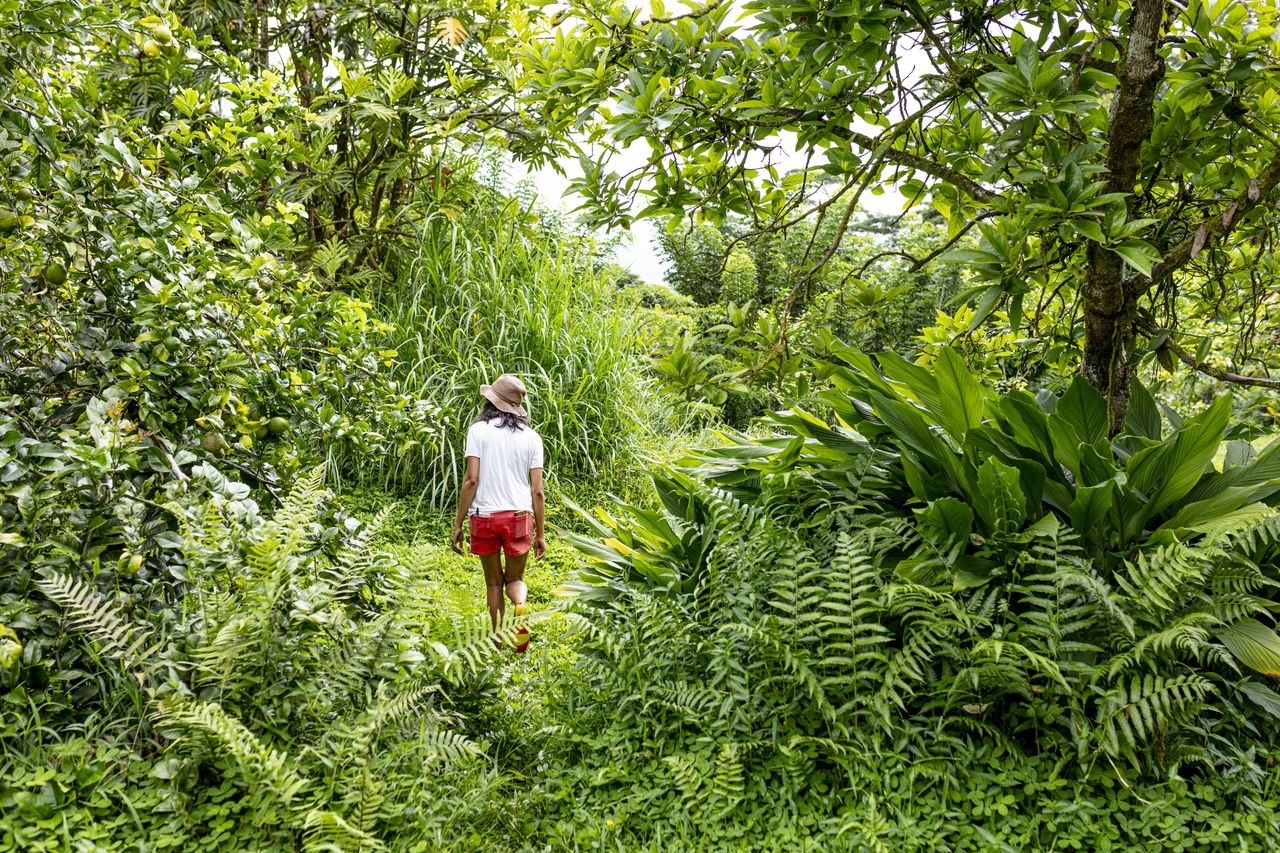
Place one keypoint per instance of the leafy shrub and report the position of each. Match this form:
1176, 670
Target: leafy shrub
696, 257
313, 683
160, 335
738, 282
934, 576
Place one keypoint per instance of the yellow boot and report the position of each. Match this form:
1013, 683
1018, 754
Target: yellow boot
522, 636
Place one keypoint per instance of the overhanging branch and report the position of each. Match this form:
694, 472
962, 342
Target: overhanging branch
969, 186
1216, 372
1218, 225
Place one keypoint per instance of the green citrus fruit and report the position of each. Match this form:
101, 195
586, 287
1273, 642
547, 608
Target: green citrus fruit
245, 441
169, 48
8, 220
151, 48
260, 432
278, 425
55, 275
213, 442
163, 34
172, 344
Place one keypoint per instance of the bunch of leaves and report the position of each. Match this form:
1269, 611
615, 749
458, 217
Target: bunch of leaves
152, 343
914, 577
312, 682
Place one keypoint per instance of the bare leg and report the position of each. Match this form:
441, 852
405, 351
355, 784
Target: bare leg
513, 575
493, 587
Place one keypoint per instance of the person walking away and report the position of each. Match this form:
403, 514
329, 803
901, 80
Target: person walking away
502, 500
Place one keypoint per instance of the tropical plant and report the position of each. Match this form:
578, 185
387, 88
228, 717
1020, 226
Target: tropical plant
312, 680
936, 573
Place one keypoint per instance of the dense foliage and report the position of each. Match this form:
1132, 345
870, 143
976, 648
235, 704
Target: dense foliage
934, 587
943, 597
1112, 156
311, 685
758, 325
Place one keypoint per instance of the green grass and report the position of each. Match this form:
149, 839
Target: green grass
489, 295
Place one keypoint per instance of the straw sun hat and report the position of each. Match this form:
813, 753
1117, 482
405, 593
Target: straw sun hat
507, 393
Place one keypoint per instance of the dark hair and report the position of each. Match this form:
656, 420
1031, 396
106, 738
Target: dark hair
506, 420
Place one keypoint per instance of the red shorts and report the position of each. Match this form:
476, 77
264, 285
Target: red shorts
511, 532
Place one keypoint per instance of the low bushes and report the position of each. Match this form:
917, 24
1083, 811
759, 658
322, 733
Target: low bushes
312, 678
938, 584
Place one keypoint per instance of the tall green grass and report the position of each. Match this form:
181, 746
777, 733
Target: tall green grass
491, 293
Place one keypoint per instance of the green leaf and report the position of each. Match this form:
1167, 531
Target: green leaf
1254, 645
1139, 254
1000, 500
961, 397
1091, 505
946, 523
1262, 696
1089, 229
1169, 471
1143, 417
1084, 409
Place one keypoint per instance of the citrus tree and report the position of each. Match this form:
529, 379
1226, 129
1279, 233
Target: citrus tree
1111, 154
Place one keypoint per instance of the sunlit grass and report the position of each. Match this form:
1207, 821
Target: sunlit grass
485, 296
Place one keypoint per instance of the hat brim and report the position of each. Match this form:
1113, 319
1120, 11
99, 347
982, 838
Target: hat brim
503, 406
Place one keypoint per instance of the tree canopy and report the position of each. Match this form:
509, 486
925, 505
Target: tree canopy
1115, 158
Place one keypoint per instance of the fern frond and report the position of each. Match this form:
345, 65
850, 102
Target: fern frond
328, 832
357, 557
798, 668
1159, 579
289, 526
261, 764
99, 617
1130, 713
1189, 635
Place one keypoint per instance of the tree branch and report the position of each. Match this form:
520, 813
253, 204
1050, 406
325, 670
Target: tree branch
1218, 225
901, 157
1210, 370
1086, 59
693, 14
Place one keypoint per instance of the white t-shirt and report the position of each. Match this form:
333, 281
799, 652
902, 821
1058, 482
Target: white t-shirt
506, 457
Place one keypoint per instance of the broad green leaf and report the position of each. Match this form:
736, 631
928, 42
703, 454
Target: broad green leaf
1084, 409
1254, 645
1091, 505
1143, 417
1262, 696
1139, 254
961, 398
946, 523
1167, 472
1000, 500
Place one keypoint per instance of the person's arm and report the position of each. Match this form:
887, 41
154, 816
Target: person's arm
539, 514
470, 482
